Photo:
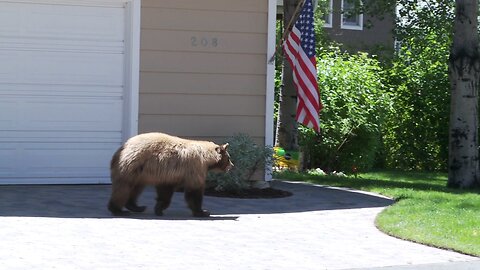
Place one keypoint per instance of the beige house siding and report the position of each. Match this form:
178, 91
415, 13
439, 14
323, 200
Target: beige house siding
203, 68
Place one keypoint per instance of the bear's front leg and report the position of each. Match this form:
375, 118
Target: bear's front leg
194, 198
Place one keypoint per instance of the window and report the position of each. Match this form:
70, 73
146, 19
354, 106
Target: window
351, 18
327, 18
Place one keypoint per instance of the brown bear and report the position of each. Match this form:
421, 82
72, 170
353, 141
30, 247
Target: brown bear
168, 163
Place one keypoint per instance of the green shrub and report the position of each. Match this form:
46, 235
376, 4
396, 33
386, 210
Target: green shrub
416, 134
247, 158
416, 131
355, 103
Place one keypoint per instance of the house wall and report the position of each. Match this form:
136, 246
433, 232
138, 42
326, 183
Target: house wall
203, 68
375, 36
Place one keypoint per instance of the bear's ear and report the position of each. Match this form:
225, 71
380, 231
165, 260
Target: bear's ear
221, 148
224, 147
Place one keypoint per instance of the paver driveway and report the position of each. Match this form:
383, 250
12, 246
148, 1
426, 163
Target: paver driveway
68, 227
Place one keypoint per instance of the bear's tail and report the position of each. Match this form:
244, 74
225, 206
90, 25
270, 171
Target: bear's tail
114, 163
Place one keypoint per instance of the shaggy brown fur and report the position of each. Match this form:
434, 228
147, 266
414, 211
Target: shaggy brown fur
167, 162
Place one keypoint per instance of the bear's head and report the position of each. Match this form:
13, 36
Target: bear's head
224, 164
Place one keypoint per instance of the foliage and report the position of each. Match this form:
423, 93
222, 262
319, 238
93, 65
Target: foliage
416, 19
355, 103
411, 15
413, 117
247, 158
416, 130
426, 211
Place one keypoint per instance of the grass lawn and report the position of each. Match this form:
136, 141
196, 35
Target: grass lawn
425, 210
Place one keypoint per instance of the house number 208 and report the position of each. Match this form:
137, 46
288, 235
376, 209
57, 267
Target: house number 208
204, 42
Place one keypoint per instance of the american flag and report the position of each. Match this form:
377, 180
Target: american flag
299, 48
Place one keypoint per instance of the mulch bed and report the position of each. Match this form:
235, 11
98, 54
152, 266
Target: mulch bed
251, 193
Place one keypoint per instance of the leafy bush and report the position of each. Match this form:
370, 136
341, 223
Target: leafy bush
247, 157
355, 103
416, 132
416, 135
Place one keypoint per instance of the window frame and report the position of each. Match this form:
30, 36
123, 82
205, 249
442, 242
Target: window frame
359, 18
328, 18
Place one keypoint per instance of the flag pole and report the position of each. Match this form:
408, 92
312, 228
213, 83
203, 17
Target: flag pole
287, 29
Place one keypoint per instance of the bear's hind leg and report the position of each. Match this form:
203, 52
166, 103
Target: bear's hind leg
120, 195
164, 197
132, 200
194, 198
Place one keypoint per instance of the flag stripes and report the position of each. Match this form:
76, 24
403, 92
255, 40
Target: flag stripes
299, 48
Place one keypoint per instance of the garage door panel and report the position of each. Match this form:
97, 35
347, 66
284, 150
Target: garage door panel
43, 21
8, 159
9, 19
68, 160
86, 22
10, 66
62, 88
64, 160
61, 67
8, 113
63, 45
9, 90
74, 68
60, 136
84, 114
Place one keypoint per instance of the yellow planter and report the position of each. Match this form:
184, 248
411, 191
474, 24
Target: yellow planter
284, 159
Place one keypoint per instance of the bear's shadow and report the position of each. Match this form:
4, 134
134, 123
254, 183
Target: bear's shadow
90, 201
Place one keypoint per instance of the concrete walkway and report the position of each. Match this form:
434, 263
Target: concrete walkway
68, 227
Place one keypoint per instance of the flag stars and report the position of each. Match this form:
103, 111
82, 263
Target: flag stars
305, 24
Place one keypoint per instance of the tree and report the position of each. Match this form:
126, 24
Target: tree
287, 136
464, 71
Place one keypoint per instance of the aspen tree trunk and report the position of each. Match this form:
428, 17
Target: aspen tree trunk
287, 136
464, 71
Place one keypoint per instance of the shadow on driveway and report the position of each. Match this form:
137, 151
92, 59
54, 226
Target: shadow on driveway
89, 201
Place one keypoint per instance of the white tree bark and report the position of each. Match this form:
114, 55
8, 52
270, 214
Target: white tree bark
464, 65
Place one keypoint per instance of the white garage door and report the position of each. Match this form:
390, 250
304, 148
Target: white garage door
62, 90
